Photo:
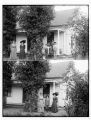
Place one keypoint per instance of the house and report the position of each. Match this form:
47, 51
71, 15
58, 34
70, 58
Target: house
54, 83
58, 41
60, 34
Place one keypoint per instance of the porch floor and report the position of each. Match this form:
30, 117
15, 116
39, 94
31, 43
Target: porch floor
48, 58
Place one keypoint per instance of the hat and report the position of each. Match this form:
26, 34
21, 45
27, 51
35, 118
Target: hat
23, 41
56, 93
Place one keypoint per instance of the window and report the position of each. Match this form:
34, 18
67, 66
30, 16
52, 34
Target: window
9, 92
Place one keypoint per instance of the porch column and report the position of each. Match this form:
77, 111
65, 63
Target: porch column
58, 44
48, 50
53, 87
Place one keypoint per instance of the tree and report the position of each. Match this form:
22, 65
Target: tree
78, 94
79, 23
9, 27
7, 74
32, 75
35, 20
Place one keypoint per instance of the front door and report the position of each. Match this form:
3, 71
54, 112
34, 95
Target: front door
46, 92
46, 89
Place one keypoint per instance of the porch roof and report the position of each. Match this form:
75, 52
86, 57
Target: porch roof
56, 80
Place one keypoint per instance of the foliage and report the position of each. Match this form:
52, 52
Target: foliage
35, 20
79, 23
9, 24
7, 74
69, 72
32, 75
78, 95
80, 99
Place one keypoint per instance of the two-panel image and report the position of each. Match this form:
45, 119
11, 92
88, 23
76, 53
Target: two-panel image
45, 61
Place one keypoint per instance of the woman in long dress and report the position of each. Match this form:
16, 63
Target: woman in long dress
54, 107
47, 103
22, 51
13, 54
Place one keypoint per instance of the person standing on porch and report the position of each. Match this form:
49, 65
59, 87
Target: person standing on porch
54, 107
13, 54
22, 50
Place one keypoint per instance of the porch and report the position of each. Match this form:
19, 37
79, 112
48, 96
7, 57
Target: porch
56, 45
58, 42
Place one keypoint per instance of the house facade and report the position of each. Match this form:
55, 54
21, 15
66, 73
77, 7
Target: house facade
54, 83
58, 42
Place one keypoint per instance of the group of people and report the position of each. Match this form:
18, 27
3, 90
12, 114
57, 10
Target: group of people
13, 50
54, 107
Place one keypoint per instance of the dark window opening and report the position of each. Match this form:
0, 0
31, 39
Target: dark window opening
9, 92
50, 38
46, 90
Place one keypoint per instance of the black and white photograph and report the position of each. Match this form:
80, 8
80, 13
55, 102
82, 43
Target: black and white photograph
45, 32
45, 88
45, 60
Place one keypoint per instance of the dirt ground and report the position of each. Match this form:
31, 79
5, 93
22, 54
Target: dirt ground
19, 112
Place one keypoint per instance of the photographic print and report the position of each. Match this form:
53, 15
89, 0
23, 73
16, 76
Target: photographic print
46, 88
45, 32
45, 61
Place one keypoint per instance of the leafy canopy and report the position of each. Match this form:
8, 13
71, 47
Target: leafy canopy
77, 93
31, 74
7, 74
79, 23
9, 25
35, 20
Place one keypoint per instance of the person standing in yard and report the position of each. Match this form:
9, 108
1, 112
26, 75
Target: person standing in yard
47, 103
54, 107
13, 51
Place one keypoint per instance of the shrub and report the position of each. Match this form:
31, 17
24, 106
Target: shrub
79, 96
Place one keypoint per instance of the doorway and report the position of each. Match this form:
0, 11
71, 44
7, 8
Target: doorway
24, 95
46, 89
46, 94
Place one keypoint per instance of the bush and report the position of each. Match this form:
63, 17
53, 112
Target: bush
79, 96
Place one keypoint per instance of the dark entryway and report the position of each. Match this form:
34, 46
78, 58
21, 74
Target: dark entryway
24, 96
46, 89
50, 43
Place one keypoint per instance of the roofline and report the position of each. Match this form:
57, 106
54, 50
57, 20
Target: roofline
45, 78
59, 25
53, 77
22, 30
